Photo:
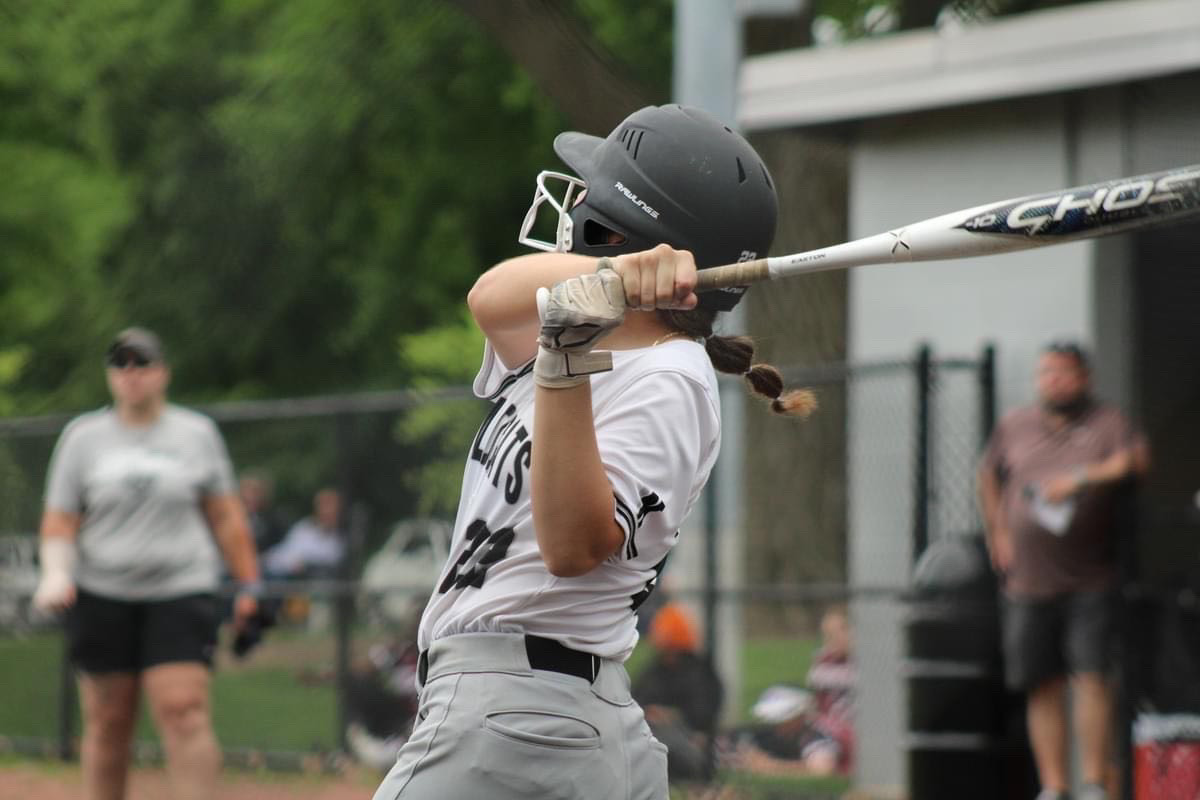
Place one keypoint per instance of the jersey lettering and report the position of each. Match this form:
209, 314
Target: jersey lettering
477, 453
503, 447
505, 427
484, 550
512, 485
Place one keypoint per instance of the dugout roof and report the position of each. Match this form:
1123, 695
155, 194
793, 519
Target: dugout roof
1055, 50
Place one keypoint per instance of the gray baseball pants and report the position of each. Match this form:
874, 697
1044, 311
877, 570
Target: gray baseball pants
490, 727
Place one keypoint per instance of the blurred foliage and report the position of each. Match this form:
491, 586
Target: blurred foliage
282, 189
295, 195
443, 356
839, 20
639, 33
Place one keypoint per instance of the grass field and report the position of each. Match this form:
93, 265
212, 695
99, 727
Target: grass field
32, 780
272, 702
282, 698
24, 779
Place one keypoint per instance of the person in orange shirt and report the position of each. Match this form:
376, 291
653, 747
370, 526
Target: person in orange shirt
680, 693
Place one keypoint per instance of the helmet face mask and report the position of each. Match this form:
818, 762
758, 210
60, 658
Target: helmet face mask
571, 189
666, 174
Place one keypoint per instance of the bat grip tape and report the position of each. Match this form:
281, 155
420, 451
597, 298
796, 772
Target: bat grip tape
740, 274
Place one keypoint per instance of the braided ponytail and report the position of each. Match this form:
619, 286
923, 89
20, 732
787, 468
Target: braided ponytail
734, 355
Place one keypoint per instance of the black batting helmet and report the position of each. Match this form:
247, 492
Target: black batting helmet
670, 174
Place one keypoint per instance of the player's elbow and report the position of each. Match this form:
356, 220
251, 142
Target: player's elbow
573, 565
567, 566
487, 300
582, 550
477, 303
572, 561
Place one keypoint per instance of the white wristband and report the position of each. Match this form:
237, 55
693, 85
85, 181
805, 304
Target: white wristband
555, 369
57, 556
252, 588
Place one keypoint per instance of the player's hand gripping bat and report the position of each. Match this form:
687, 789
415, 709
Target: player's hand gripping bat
1083, 212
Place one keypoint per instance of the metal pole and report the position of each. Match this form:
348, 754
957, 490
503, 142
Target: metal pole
67, 702
1129, 682
711, 591
344, 595
710, 572
923, 370
707, 55
987, 392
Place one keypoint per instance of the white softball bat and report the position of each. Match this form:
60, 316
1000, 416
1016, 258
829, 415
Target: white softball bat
1083, 212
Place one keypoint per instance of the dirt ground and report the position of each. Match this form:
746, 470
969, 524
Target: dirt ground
55, 782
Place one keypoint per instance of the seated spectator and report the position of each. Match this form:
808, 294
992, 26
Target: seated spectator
785, 739
680, 694
831, 679
257, 492
314, 546
381, 702
804, 731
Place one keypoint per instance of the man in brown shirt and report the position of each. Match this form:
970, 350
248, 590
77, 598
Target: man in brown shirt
1047, 485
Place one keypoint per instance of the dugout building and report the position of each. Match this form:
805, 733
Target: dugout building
937, 120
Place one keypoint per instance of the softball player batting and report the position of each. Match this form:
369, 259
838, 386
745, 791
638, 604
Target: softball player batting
586, 464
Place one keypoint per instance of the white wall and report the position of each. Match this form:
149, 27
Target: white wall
903, 170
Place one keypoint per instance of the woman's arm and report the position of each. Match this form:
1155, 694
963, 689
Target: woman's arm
569, 488
573, 506
56, 552
503, 300
572, 497
227, 519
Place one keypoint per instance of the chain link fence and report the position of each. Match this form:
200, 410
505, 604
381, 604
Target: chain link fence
332, 680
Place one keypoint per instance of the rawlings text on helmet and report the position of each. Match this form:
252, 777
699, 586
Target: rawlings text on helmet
620, 187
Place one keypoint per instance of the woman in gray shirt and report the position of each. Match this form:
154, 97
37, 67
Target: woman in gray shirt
140, 507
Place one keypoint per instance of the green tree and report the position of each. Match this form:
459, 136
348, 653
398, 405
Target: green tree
296, 195
442, 356
282, 189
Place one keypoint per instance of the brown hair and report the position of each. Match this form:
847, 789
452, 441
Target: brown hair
734, 355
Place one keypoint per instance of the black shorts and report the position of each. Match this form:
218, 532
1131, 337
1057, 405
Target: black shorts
1064, 635
108, 635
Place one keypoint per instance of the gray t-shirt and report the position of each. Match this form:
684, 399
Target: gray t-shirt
143, 534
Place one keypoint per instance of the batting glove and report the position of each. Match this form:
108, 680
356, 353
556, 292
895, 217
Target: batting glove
576, 314
56, 589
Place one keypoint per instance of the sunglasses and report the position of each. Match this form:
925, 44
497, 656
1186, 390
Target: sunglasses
127, 358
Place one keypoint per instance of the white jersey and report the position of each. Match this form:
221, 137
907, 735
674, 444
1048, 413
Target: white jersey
657, 421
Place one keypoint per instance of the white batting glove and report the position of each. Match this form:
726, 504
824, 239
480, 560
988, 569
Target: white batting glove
576, 314
56, 588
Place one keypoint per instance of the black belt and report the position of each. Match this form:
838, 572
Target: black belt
544, 654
